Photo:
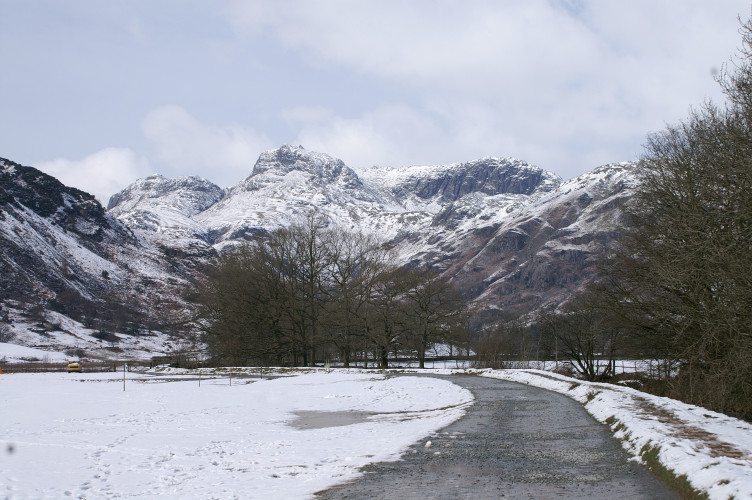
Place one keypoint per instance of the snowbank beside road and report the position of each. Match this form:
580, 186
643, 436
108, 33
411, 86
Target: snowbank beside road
712, 450
83, 436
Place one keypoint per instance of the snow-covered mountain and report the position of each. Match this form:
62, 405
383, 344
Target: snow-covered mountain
62, 253
543, 252
512, 236
164, 209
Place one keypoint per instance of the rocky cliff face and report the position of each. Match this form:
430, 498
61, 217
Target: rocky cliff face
28, 189
324, 169
487, 176
286, 183
544, 252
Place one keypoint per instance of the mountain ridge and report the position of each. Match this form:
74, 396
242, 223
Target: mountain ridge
511, 236
450, 217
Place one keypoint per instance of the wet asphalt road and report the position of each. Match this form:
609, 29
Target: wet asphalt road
516, 441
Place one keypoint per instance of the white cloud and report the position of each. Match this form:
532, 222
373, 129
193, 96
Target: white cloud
222, 154
225, 154
556, 82
102, 173
374, 138
564, 84
461, 131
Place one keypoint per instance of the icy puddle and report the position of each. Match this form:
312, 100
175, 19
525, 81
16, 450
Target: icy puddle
323, 419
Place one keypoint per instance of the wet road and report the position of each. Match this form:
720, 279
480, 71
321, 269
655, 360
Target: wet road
516, 441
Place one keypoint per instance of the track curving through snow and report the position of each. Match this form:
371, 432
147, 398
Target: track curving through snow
515, 441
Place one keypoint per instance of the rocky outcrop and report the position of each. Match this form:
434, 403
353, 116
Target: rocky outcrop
325, 169
545, 253
26, 188
187, 195
488, 176
161, 211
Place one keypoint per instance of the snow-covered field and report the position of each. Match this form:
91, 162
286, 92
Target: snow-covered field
83, 436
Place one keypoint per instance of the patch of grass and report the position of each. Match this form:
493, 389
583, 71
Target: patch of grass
591, 395
680, 483
617, 426
574, 386
564, 369
657, 387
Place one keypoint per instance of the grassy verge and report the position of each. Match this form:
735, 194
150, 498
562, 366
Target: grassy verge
649, 456
680, 484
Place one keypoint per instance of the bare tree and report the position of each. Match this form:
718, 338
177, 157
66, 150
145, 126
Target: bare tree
434, 307
386, 317
584, 336
357, 261
311, 263
683, 271
242, 307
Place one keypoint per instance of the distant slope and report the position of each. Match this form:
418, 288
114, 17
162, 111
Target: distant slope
60, 250
544, 252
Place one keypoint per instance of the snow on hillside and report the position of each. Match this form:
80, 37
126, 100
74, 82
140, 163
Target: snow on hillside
164, 208
285, 184
58, 336
391, 178
187, 195
83, 436
61, 249
395, 178
14, 353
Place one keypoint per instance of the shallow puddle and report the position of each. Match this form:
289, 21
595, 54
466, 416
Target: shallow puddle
322, 419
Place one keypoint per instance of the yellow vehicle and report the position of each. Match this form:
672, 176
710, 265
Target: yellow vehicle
74, 365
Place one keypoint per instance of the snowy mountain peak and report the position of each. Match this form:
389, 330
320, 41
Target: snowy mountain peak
322, 168
488, 176
188, 195
7, 166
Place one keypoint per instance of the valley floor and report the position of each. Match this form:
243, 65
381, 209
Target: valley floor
83, 436
179, 434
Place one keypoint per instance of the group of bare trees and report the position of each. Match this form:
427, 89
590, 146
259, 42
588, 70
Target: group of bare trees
308, 293
584, 334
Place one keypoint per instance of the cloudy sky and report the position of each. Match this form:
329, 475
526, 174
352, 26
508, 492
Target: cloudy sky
100, 93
